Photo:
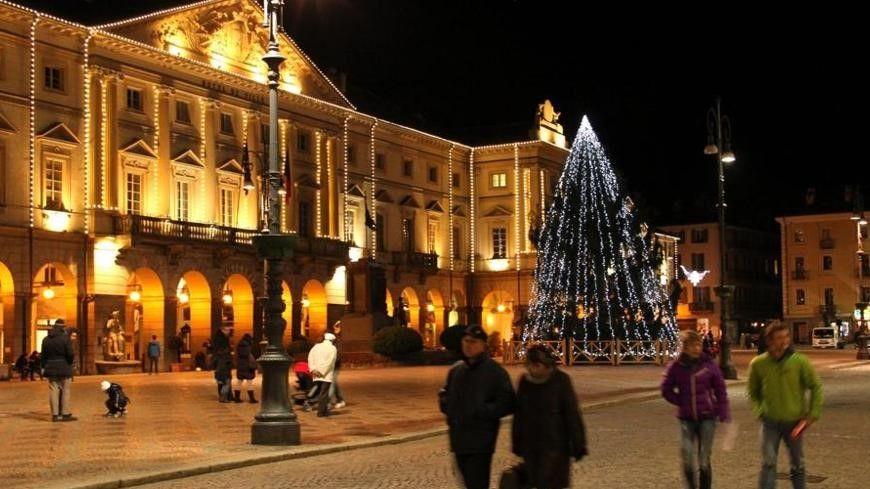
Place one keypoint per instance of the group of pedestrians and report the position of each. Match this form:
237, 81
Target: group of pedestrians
29, 366
222, 363
548, 431
323, 365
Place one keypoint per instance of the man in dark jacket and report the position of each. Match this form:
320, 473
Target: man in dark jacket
548, 429
477, 395
246, 369
57, 361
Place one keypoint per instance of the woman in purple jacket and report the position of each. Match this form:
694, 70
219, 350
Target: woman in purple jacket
694, 383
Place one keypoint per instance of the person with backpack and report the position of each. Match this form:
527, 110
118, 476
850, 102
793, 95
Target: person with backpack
153, 355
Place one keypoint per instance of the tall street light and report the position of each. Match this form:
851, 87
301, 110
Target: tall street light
719, 144
276, 423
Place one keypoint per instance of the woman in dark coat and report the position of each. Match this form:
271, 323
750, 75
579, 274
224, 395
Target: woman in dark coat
246, 369
548, 429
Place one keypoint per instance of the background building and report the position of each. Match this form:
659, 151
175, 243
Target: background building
824, 276
752, 266
126, 153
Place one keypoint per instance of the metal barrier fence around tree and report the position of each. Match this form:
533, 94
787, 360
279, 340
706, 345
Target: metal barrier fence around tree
578, 352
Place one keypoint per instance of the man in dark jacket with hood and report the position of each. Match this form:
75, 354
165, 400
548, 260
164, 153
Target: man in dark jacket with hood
57, 362
477, 395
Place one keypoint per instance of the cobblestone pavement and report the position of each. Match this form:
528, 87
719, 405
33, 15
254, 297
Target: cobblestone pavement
632, 446
176, 423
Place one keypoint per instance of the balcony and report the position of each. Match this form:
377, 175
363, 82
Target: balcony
415, 260
800, 275
147, 228
157, 230
827, 243
701, 307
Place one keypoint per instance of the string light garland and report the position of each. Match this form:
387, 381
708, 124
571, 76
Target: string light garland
372, 158
517, 211
86, 113
284, 163
472, 194
155, 181
594, 278
33, 115
450, 242
104, 134
204, 105
318, 205
344, 142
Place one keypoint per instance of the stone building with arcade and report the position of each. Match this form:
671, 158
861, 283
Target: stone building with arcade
130, 163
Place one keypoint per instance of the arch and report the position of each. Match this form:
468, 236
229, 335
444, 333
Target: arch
145, 306
7, 311
56, 297
287, 297
194, 309
313, 319
498, 313
433, 318
412, 307
237, 305
390, 304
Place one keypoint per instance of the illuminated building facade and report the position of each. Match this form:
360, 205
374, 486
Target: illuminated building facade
130, 157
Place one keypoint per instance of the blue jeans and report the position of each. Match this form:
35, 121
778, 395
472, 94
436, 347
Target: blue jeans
771, 434
334, 389
696, 447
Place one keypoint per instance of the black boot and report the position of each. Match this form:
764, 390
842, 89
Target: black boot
220, 392
706, 479
251, 397
237, 396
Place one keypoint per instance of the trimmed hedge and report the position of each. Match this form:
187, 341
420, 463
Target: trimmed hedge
397, 340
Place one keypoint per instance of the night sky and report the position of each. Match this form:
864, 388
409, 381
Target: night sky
474, 71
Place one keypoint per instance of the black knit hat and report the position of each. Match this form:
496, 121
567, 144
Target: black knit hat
476, 332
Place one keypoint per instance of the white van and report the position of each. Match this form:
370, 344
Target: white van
827, 337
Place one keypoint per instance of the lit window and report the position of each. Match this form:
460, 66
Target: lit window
351, 219
182, 200
499, 243
498, 180
134, 99
408, 234
53, 184
228, 216
134, 193
800, 297
433, 232
53, 78
182, 112
800, 237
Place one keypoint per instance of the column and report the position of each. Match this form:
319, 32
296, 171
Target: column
170, 325
163, 178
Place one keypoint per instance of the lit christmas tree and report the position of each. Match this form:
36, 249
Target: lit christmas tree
595, 278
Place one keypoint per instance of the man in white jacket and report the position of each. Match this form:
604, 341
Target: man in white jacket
321, 361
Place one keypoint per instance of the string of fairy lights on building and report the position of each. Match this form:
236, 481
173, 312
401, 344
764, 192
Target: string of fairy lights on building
450, 242
471, 259
284, 158
156, 145
318, 178
517, 211
32, 113
346, 181
86, 114
374, 211
104, 134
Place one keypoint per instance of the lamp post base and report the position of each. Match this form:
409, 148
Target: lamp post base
863, 351
728, 371
276, 433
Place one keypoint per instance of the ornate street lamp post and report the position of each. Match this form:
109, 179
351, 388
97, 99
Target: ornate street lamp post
719, 144
276, 423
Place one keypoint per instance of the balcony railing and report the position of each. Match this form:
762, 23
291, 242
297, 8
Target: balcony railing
828, 310
827, 243
800, 275
415, 259
179, 231
161, 228
701, 306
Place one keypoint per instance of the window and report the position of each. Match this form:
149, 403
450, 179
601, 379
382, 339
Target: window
407, 234
380, 233
701, 295
351, 154
826, 233
302, 142
499, 243
182, 112
433, 174
681, 235
380, 161
408, 168
457, 242
699, 236
829, 297
827, 262
134, 99
134, 193
304, 219
799, 263
456, 180
53, 184
2, 174
53, 78
800, 237
800, 297
498, 180
227, 123
865, 294
865, 265
698, 262
228, 215
431, 236
182, 200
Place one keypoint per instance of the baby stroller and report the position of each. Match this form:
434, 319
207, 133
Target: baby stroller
305, 383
